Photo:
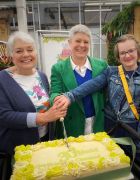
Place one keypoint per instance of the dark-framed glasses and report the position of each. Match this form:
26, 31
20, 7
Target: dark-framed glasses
130, 52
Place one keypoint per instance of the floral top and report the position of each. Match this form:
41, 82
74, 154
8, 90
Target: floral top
33, 87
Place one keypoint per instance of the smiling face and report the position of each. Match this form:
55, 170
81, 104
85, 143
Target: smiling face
128, 54
79, 45
24, 57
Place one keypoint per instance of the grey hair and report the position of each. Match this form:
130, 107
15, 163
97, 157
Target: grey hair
79, 28
21, 36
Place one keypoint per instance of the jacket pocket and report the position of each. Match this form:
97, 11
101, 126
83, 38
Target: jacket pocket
116, 92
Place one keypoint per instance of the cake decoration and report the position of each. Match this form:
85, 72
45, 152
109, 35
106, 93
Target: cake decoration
87, 155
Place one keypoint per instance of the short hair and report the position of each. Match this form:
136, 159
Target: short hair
124, 38
21, 36
79, 28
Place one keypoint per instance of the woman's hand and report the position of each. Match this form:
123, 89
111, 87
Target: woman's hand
53, 114
61, 101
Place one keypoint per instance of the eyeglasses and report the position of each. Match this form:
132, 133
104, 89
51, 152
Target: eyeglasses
130, 52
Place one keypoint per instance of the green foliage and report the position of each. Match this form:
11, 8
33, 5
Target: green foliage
5, 64
119, 25
5, 60
110, 56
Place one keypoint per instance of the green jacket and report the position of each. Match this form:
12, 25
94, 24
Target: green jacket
63, 80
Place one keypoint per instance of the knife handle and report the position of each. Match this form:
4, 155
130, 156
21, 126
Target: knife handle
61, 119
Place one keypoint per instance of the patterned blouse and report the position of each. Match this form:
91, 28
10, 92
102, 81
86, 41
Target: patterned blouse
33, 87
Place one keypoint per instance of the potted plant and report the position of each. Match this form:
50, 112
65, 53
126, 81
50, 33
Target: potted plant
120, 24
5, 60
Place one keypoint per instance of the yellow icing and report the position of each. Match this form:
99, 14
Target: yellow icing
53, 159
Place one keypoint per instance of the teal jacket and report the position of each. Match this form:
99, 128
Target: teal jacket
63, 80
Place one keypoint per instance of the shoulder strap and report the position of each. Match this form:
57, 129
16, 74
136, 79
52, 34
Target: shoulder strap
127, 92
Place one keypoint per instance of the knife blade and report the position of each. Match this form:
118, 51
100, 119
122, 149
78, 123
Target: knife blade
64, 132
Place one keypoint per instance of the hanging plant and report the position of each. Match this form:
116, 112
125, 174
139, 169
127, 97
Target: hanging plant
119, 25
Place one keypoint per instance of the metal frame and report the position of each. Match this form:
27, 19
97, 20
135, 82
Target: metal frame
88, 3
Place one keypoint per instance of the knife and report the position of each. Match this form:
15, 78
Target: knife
64, 132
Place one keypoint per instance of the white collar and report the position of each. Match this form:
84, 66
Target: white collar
85, 66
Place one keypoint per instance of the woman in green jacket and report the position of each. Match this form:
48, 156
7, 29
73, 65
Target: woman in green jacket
86, 115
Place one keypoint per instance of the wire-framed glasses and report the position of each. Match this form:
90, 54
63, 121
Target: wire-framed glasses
130, 52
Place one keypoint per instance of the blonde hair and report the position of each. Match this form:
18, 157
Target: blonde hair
124, 38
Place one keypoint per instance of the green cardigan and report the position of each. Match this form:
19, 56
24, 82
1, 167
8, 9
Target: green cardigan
63, 80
